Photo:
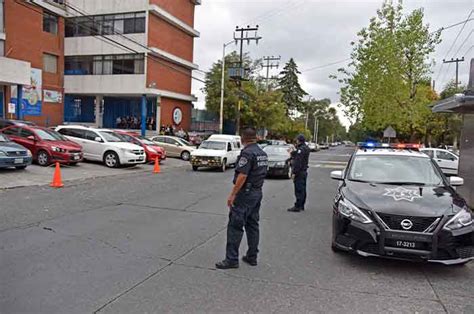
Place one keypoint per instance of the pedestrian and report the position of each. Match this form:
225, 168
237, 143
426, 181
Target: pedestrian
300, 158
244, 202
118, 122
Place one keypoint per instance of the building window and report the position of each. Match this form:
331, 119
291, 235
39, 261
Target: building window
129, 23
50, 63
50, 23
105, 65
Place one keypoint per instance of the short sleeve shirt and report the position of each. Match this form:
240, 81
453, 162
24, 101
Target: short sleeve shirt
253, 162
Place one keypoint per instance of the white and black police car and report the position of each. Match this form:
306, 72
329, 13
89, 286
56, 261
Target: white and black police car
394, 202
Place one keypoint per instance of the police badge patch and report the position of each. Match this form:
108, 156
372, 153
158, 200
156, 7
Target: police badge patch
242, 162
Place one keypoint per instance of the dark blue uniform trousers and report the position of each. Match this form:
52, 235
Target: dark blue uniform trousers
300, 189
244, 214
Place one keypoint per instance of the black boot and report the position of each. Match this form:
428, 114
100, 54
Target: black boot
251, 262
225, 264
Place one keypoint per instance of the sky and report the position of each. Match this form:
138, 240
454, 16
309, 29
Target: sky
317, 33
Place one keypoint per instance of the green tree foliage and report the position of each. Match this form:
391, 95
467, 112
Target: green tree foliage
290, 87
388, 83
329, 124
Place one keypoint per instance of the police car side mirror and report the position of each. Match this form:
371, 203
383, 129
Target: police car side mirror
456, 181
337, 175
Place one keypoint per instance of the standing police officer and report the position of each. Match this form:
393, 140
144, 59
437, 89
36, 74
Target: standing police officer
244, 202
300, 159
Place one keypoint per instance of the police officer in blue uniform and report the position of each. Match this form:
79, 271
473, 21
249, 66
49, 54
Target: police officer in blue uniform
244, 202
300, 159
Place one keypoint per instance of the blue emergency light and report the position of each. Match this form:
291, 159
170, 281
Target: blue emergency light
367, 145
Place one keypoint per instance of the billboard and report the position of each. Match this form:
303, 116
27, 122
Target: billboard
32, 95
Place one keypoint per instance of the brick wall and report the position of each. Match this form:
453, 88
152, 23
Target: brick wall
27, 41
182, 9
169, 76
167, 107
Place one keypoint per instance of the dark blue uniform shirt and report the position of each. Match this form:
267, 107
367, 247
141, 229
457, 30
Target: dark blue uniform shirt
300, 159
253, 162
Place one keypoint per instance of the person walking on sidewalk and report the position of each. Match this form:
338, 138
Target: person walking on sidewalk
300, 159
244, 202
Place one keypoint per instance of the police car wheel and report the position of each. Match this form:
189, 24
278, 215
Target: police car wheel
223, 166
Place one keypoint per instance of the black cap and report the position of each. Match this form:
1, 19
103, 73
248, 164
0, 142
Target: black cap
300, 138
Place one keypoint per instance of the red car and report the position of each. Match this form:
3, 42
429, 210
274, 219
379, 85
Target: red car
152, 150
47, 146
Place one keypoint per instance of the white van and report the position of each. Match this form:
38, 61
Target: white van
230, 138
216, 153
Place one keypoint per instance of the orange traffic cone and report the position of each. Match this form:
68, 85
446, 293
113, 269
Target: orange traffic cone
156, 169
57, 182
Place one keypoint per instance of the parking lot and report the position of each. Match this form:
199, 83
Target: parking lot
36, 175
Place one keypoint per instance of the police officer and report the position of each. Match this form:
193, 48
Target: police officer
244, 202
300, 158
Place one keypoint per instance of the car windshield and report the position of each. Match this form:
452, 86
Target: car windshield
49, 135
213, 145
4, 138
395, 170
145, 140
276, 149
184, 142
112, 137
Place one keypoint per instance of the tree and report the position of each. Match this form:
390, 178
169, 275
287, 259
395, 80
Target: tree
388, 83
290, 87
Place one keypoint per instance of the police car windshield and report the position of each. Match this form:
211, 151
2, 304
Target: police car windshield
213, 145
394, 170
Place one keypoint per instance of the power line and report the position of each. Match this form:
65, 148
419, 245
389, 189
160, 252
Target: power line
467, 51
274, 12
325, 65
462, 44
452, 45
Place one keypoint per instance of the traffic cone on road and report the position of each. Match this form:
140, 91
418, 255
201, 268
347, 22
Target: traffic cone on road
156, 169
57, 182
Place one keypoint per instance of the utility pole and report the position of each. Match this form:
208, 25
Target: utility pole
270, 65
241, 34
457, 60
221, 111
316, 129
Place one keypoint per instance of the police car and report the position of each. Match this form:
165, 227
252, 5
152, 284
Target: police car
395, 202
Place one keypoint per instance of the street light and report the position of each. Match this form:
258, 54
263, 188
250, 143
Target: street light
316, 128
221, 114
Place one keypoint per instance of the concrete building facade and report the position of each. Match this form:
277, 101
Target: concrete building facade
116, 60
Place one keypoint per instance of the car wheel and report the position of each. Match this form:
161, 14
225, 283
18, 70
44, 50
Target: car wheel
20, 167
224, 165
73, 164
195, 168
335, 249
185, 155
111, 160
43, 158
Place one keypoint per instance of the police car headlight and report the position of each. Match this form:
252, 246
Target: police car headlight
349, 210
460, 220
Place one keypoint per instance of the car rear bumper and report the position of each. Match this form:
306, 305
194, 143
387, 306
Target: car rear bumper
7, 162
440, 246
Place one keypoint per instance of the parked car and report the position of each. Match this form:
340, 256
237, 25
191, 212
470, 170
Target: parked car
174, 146
323, 146
13, 154
104, 145
446, 160
313, 146
47, 146
215, 154
279, 160
152, 150
7, 122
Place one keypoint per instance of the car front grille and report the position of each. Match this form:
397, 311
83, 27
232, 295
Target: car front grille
394, 222
203, 158
17, 153
138, 152
75, 151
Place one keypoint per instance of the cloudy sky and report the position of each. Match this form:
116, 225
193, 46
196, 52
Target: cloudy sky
318, 32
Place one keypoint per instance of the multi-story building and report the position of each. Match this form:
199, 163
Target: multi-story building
113, 58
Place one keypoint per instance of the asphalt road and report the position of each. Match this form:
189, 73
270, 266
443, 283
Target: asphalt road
143, 243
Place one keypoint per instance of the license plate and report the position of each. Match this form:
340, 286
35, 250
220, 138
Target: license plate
405, 244
77, 157
204, 162
18, 160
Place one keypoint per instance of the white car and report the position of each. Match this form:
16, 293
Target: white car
215, 154
104, 145
446, 160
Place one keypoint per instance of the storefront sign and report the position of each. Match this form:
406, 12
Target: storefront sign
177, 116
32, 94
52, 96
